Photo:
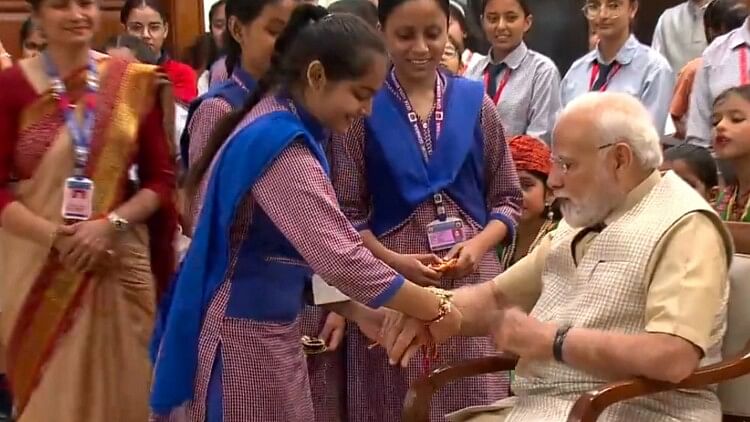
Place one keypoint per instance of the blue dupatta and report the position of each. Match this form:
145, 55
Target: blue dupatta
400, 179
245, 158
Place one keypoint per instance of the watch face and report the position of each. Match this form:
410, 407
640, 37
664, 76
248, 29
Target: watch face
118, 223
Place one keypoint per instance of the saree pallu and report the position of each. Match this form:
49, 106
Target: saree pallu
77, 344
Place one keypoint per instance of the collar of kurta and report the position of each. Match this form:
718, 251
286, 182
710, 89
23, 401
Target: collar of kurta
634, 197
624, 56
244, 79
741, 36
514, 59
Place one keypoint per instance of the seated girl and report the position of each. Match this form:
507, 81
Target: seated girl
731, 142
533, 162
695, 165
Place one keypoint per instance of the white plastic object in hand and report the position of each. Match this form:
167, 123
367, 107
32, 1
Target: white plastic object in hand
323, 293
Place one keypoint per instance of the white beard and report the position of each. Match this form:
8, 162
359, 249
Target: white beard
605, 196
588, 215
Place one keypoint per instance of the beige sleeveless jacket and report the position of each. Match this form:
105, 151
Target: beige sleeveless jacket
607, 290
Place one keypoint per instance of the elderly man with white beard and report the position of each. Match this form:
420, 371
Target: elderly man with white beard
632, 283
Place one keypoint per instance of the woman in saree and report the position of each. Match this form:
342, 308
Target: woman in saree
83, 253
230, 346
148, 20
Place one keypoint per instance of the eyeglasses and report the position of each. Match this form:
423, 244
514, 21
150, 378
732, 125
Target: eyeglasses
137, 28
594, 9
565, 164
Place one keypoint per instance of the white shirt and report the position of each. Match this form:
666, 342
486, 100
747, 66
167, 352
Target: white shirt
679, 35
645, 74
530, 101
719, 72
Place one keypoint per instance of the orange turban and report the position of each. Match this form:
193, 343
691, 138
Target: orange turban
531, 154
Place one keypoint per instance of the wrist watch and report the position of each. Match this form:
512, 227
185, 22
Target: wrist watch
120, 224
557, 344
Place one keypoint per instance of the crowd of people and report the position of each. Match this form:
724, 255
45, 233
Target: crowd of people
313, 207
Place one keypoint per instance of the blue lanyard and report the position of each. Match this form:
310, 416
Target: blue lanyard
434, 128
81, 134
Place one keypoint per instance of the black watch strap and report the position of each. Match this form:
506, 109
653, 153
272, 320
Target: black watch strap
557, 345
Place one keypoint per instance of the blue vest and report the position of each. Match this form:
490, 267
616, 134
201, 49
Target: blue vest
266, 291
397, 175
228, 90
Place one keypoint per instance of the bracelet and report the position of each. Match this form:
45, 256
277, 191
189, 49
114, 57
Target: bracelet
446, 304
557, 345
6, 55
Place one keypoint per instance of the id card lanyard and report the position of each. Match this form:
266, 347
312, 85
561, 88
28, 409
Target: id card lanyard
435, 130
78, 190
744, 77
501, 87
595, 69
79, 133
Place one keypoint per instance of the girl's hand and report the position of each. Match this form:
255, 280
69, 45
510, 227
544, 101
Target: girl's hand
467, 256
333, 331
416, 268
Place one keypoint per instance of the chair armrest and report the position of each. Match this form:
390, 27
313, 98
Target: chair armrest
419, 396
590, 405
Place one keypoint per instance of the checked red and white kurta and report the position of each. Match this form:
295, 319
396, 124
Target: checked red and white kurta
376, 390
264, 375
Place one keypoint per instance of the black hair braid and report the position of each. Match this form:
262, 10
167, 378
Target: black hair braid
233, 51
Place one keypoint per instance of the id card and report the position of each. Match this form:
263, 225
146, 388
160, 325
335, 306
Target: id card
78, 198
446, 234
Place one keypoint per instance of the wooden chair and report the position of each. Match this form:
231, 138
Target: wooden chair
734, 389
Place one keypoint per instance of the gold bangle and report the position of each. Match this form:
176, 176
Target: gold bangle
445, 305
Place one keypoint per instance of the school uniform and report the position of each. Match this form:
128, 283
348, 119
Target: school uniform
637, 69
525, 86
725, 65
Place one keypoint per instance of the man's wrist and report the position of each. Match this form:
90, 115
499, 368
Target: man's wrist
559, 341
118, 223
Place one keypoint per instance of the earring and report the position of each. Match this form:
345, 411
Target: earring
550, 211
